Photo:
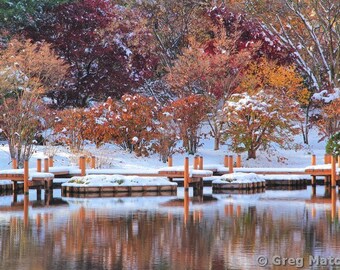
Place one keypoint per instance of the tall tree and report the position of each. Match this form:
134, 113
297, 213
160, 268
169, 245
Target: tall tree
103, 44
311, 29
268, 108
171, 23
212, 69
27, 70
15, 15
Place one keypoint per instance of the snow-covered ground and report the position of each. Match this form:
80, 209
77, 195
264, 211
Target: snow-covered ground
111, 156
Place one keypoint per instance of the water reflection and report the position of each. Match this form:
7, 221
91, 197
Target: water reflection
220, 231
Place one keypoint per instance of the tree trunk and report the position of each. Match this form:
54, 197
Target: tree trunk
217, 142
251, 154
305, 127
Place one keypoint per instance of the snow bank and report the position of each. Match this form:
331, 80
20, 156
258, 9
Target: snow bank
239, 178
284, 177
116, 180
281, 170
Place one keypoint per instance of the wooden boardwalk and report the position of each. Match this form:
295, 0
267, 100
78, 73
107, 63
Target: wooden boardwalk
192, 175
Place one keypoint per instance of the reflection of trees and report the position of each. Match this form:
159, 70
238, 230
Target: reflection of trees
150, 240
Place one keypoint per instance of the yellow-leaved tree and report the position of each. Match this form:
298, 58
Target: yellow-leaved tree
27, 70
268, 108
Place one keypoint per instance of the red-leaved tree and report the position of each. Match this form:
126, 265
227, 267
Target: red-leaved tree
188, 114
106, 47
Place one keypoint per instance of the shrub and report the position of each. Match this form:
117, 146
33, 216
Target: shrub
333, 145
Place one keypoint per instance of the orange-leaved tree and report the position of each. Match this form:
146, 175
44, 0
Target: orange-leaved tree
212, 68
188, 114
328, 118
72, 127
135, 123
101, 122
268, 74
255, 121
97, 124
268, 110
27, 71
167, 135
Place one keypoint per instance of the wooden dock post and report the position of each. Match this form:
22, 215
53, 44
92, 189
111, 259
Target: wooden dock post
226, 161
39, 165
46, 163
26, 177
333, 171
93, 162
82, 166
231, 164
200, 162
186, 173
338, 161
14, 163
327, 159
196, 162
238, 161
170, 161
313, 160
50, 161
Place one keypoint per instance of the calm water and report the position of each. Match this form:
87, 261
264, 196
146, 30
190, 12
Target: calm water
214, 231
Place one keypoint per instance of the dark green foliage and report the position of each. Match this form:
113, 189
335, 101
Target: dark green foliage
333, 145
18, 14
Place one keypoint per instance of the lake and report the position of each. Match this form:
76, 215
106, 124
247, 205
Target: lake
280, 229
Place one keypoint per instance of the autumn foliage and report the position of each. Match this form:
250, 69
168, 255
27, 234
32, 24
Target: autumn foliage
188, 114
255, 121
267, 111
135, 123
27, 71
170, 67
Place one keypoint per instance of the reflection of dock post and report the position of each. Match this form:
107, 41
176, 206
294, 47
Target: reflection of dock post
26, 203
238, 211
186, 206
313, 212
26, 177
333, 199
333, 171
231, 209
186, 173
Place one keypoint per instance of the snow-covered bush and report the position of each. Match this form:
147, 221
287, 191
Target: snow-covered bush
333, 145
